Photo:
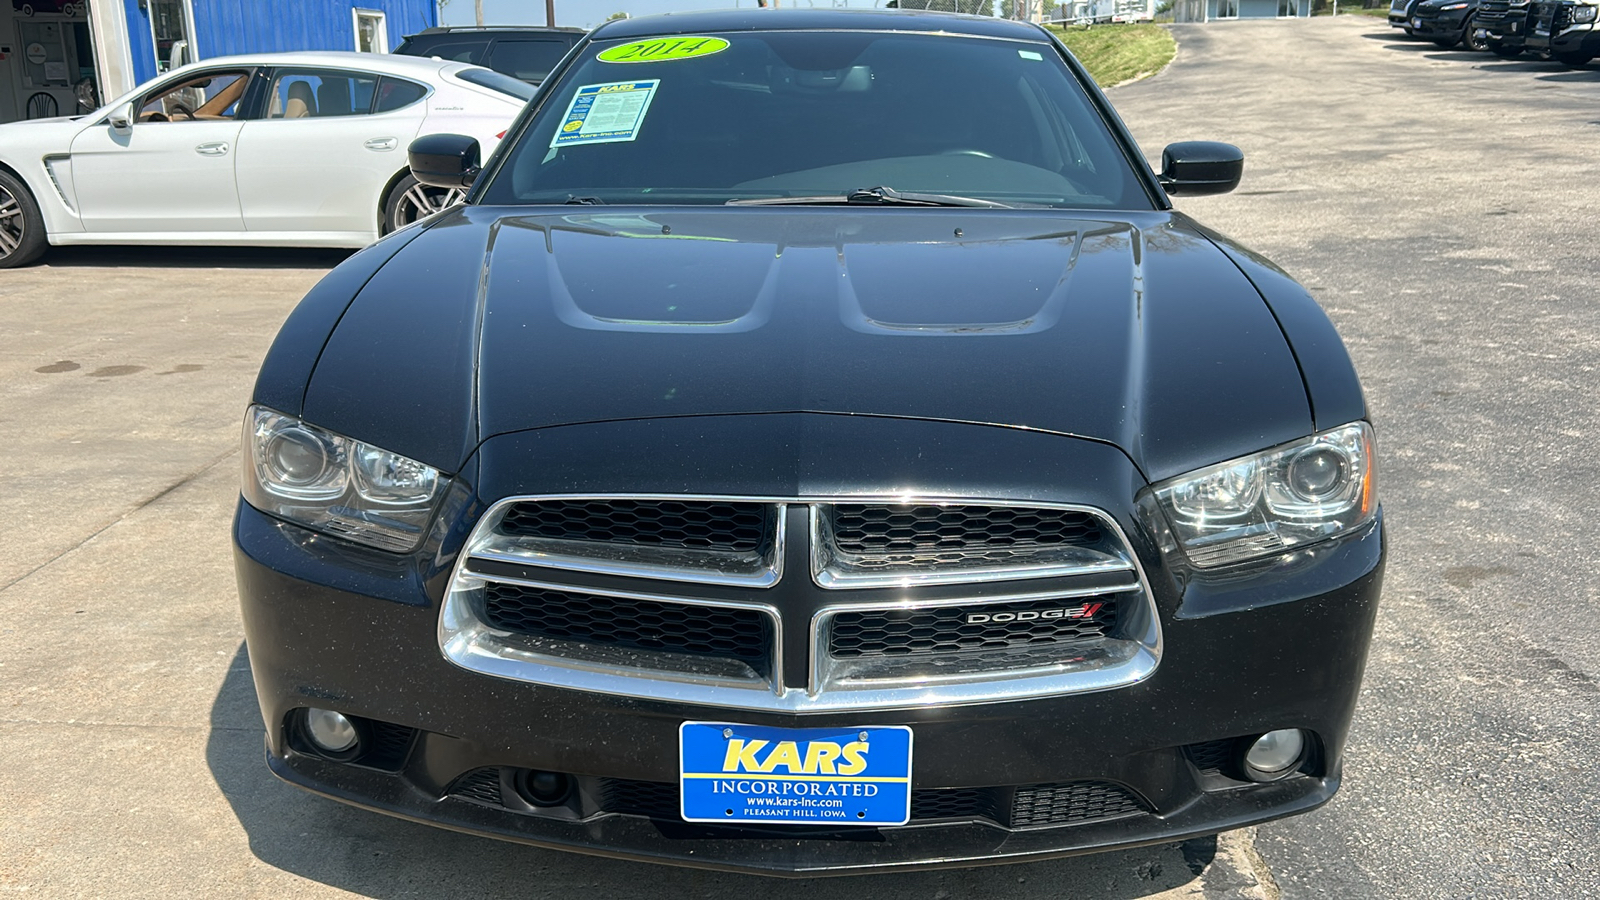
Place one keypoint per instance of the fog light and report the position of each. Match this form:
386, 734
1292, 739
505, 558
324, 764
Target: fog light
543, 788
1275, 754
331, 732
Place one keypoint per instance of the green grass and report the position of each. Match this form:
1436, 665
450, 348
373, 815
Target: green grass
1117, 53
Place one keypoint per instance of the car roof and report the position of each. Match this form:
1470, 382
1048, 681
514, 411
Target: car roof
815, 19
497, 29
382, 63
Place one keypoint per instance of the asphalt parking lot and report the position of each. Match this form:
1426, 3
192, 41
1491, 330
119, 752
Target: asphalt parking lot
1437, 203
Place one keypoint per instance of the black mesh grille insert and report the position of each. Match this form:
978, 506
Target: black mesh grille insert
955, 803
659, 800
480, 785
390, 746
1071, 803
926, 535
686, 524
964, 628
625, 622
1211, 755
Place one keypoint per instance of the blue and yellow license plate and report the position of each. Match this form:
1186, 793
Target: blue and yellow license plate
795, 776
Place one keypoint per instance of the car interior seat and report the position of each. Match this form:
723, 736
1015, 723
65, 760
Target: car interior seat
333, 97
302, 103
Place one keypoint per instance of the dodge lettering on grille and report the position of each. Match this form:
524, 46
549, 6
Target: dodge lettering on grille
1085, 611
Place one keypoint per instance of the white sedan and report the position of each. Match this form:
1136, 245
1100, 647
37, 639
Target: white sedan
278, 149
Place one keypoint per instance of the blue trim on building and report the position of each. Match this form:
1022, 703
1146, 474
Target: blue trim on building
141, 46
227, 27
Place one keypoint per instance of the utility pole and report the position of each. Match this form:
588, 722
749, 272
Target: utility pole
550, 13
477, 11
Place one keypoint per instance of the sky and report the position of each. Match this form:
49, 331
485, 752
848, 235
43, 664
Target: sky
589, 13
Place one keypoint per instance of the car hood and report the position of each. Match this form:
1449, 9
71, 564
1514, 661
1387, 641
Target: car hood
1134, 330
30, 132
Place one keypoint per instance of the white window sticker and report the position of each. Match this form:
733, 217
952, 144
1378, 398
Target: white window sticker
606, 113
1029, 54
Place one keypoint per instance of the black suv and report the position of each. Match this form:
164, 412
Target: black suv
524, 52
1447, 23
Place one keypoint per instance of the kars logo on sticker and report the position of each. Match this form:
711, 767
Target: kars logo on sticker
664, 49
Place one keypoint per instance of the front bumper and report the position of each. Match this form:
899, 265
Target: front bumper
1509, 31
1577, 40
1282, 645
1444, 26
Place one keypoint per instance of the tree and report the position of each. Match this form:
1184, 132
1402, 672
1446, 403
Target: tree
616, 15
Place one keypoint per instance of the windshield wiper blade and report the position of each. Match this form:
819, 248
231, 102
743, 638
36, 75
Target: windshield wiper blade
584, 201
873, 196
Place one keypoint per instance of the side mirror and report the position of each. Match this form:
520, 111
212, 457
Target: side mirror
1201, 167
444, 160
121, 118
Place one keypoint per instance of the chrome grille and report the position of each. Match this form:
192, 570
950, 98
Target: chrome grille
628, 622
673, 539
726, 527
930, 536
860, 545
971, 629
685, 598
1492, 14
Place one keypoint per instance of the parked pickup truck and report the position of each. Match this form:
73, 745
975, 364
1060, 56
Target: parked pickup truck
1503, 25
1566, 29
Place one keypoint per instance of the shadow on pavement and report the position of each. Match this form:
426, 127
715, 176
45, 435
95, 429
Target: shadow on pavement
1577, 76
1418, 47
1521, 65
376, 856
193, 257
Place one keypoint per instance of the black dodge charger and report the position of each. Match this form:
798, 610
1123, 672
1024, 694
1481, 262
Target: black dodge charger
815, 446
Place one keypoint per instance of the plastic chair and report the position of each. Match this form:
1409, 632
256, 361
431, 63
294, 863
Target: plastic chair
42, 106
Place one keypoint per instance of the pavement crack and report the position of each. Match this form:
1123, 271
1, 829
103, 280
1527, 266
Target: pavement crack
1238, 872
187, 479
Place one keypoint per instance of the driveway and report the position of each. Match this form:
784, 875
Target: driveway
1440, 205
1401, 183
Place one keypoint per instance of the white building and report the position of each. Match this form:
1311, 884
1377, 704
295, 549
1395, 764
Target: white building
1209, 10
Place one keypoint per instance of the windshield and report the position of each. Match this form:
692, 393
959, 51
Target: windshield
825, 116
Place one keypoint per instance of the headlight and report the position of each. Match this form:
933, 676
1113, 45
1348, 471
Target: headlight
1274, 500
1453, 7
1584, 13
335, 485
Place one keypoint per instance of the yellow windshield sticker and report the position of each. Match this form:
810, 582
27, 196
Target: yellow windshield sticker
664, 50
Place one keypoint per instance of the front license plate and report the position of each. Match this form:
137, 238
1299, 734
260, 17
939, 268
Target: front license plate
796, 776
